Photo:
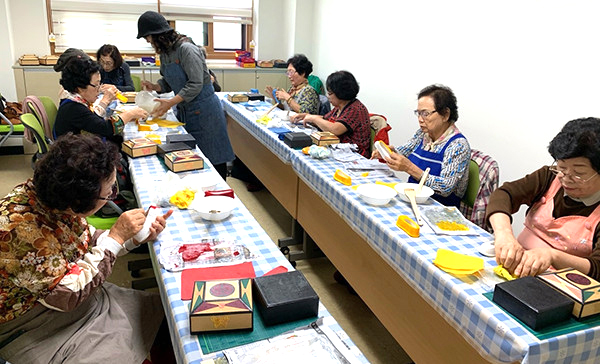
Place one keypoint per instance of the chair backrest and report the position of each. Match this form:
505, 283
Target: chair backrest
315, 82
488, 177
51, 111
33, 125
473, 186
137, 83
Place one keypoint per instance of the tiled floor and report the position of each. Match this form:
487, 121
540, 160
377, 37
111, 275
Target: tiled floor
349, 310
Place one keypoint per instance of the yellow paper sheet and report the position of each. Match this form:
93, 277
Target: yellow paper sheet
503, 273
457, 263
164, 123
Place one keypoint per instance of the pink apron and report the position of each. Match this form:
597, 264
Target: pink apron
572, 234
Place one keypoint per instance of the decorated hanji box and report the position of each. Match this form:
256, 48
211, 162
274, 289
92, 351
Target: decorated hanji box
583, 290
321, 138
183, 160
221, 305
139, 147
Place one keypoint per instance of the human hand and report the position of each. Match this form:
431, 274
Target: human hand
109, 92
162, 108
127, 225
397, 161
269, 91
282, 95
298, 117
508, 250
157, 227
134, 114
149, 86
534, 262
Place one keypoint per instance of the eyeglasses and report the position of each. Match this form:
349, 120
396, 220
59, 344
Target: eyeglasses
574, 177
113, 193
95, 86
424, 113
107, 63
290, 72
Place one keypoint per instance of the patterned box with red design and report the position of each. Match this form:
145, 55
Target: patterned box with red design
183, 160
221, 305
139, 147
583, 290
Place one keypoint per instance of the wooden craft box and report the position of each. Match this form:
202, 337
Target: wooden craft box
237, 97
183, 160
533, 302
221, 305
583, 290
29, 60
49, 60
285, 297
139, 147
182, 138
321, 138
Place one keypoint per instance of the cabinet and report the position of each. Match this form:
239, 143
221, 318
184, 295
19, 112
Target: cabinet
244, 80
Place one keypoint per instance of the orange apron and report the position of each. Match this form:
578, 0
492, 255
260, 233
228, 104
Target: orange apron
572, 234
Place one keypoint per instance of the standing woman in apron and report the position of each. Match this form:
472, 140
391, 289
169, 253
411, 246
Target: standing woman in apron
561, 224
437, 145
184, 71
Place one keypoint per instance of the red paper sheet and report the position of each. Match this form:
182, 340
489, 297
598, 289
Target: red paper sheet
280, 269
189, 276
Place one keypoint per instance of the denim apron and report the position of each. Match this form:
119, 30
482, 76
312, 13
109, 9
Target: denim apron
424, 158
203, 117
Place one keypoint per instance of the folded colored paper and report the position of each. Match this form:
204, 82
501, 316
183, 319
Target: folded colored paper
457, 263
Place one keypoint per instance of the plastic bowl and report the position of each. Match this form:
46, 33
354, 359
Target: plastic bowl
201, 181
145, 100
214, 208
426, 192
375, 194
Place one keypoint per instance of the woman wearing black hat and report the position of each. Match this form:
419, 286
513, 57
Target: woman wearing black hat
184, 72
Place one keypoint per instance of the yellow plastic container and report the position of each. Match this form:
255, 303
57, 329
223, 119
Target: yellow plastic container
408, 225
342, 177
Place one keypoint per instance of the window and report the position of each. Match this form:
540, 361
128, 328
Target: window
222, 26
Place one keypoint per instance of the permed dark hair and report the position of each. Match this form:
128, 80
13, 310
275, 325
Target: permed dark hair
164, 42
77, 73
578, 138
302, 65
71, 174
113, 52
64, 58
343, 85
444, 100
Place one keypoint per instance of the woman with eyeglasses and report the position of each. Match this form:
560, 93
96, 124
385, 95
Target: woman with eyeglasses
301, 97
55, 303
114, 71
561, 225
81, 111
349, 119
438, 145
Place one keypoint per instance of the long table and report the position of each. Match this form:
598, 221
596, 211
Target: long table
147, 174
435, 316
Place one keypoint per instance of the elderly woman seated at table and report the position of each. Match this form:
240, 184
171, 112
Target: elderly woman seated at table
114, 71
56, 305
301, 97
437, 145
561, 225
81, 80
349, 119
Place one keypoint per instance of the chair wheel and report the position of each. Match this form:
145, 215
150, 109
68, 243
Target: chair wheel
285, 250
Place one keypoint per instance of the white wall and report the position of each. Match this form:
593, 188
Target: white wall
520, 69
7, 85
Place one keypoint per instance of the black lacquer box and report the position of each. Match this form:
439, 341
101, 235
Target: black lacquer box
533, 302
171, 147
285, 297
297, 140
182, 138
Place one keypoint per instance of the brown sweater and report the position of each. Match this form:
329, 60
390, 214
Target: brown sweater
530, 189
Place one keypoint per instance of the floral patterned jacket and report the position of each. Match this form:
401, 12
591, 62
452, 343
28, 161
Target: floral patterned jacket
48, 256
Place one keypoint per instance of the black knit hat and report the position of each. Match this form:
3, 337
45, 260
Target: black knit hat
152, 22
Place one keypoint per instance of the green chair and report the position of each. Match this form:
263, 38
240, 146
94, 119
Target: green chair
31, 122
473, 186
137, 83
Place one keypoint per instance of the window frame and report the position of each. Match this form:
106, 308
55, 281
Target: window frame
211, 53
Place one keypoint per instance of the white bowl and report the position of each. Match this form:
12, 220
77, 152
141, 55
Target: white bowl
426, 192
213, 208
375, 194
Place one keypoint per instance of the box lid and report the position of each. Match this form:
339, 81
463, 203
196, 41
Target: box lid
279, 289
139, 143
181, 156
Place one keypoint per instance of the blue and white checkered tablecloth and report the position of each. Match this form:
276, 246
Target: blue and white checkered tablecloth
489, 329
247, 119
146, 173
